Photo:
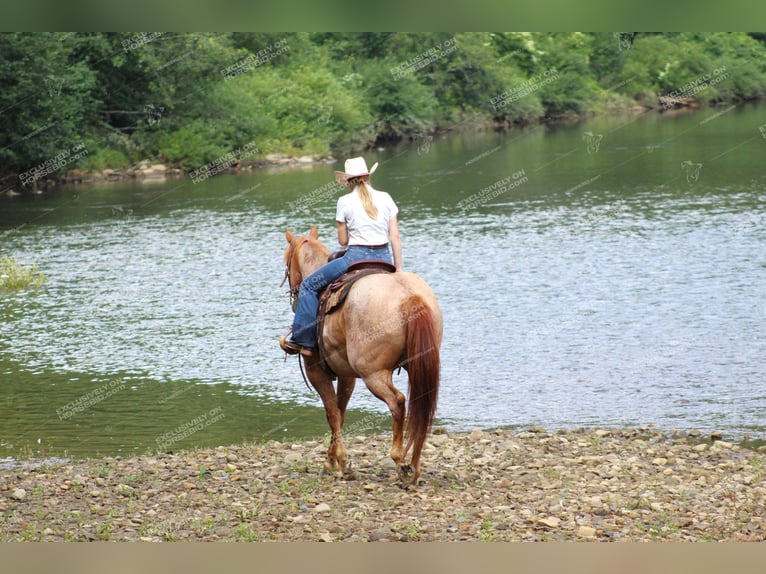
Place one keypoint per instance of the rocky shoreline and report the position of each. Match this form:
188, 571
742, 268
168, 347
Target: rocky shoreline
583, 485
148, 172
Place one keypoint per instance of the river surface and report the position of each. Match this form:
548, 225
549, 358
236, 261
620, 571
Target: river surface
606, 273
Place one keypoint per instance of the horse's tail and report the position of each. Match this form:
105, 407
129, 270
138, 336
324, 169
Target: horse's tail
422, 364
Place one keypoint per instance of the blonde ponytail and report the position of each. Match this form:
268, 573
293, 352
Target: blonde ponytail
366, 197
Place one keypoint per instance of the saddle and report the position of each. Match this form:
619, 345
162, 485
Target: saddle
334, 295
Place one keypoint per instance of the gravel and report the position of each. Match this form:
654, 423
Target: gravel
487, 485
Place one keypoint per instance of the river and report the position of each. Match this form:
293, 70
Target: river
609, 272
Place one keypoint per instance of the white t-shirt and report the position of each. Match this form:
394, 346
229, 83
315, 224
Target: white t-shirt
362, 229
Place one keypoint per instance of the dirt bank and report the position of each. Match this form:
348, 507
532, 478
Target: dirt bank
499, 485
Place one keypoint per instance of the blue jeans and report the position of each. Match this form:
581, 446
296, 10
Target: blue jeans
305, 321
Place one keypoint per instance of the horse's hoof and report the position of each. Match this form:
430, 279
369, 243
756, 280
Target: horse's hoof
406, 473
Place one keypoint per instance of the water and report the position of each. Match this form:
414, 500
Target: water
617, 281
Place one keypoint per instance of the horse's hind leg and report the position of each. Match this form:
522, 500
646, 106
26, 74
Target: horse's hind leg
337, 457
381, 384
345, 389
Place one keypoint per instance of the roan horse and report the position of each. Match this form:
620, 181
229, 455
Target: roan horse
388, 320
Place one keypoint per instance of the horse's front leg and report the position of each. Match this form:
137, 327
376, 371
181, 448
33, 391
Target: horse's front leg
337, 458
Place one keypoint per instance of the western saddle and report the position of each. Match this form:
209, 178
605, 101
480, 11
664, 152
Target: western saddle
334, 295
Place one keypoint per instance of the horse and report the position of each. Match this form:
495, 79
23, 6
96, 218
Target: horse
389, 320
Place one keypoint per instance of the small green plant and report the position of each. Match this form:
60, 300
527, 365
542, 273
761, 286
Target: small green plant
14, 277
408, 532
103, 530
134, 478
486, 531
246, 533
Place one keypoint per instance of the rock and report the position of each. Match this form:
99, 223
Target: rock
438, 439
19, 494
232, 458
550, 522
325, 537
293, 457
601, 433
476, 434
379, 536
369, 487
322, 508
701, 447
124, 489
586, 532
449, 454
716, 435
659, 461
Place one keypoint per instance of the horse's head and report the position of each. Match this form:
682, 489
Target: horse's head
303, 256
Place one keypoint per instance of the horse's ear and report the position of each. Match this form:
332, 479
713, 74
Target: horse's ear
290, 237
314, 232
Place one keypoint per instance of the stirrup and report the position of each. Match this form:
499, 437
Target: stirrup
292, 348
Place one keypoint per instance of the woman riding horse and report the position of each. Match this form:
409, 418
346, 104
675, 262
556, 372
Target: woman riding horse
366, 219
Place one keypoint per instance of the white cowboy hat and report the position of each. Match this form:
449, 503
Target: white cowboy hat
354, 167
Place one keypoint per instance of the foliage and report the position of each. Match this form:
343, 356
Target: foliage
168, 96
14, 277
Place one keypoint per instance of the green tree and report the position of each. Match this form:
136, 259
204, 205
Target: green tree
45, 102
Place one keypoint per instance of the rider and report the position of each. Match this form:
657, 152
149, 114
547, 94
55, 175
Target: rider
366, 219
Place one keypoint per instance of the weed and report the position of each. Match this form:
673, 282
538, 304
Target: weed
486, 531
103, 530
14, 277
134, 478
408, 532
246, 533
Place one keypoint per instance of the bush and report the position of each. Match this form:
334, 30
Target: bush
14, 277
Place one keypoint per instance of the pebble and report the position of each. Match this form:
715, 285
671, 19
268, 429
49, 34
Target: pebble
561, 485
438, 439
475, 435
18, 494
550, 522
379, 536
293, 457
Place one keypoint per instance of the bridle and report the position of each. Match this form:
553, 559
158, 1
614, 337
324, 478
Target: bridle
294, 289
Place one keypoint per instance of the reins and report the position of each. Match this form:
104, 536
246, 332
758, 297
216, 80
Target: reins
293, 292
294, 289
